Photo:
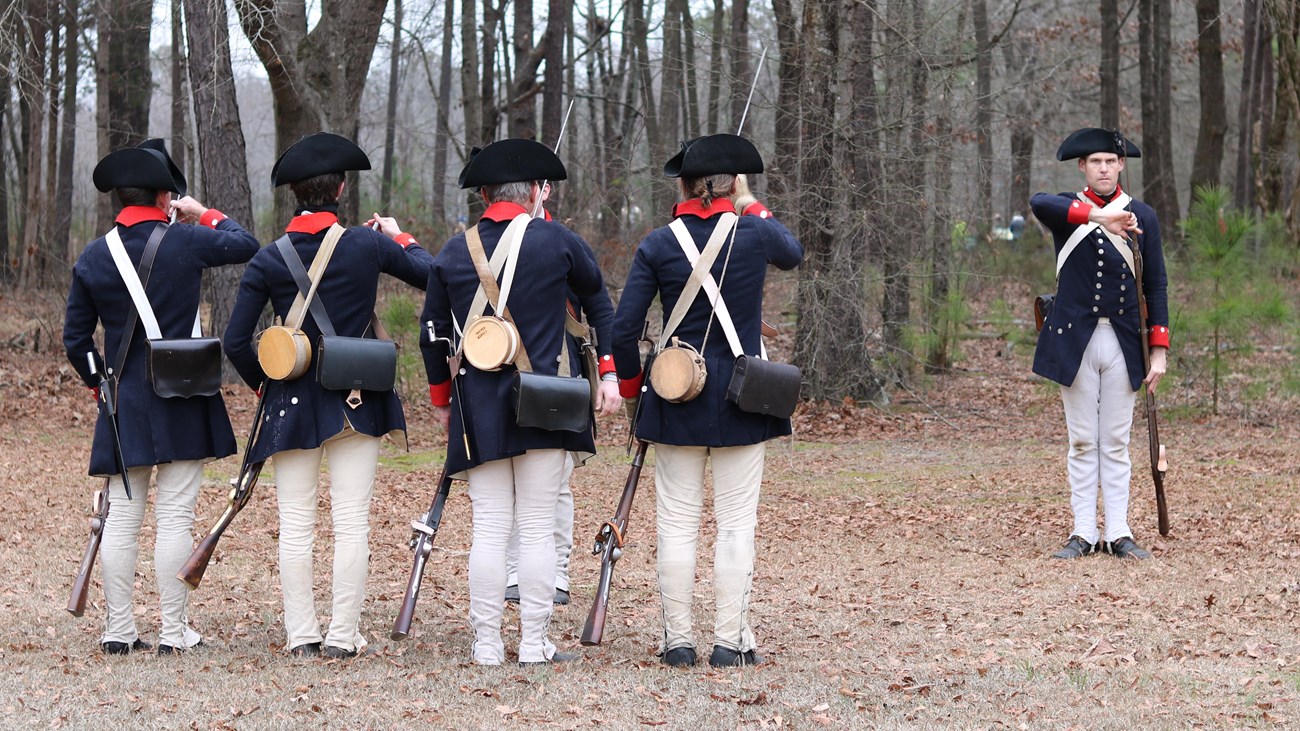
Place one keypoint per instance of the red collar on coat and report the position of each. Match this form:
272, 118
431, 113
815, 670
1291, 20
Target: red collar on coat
311, 223
694, 207
1098, 199
503, 211
131, 215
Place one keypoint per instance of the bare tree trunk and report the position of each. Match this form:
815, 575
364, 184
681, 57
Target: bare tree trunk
713, 122
1158, 184
1250, 111
783, 170
660, 195
180, 99
690, 91
390, 120
1214, 116
523, 115
553, 98
7, 268
470, 94
32, 78
216, 117
983, 118
670, 87
68, 131
52, 248
1109, 71
317, 76
442, 137
740, 58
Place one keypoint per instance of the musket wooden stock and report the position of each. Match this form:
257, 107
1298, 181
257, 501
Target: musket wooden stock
609, 546
81, 585
197, 564
423, 532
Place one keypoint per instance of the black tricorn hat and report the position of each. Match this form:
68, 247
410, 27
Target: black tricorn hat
147, 166
158, 144
473, 153
318, 154
1084, 142
720, 154
511, 161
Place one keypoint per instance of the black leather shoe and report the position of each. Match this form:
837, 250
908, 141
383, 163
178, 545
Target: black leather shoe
725, 657
1126, 547
1076, 547
556, 658
338, 653
680, 657
122, 648
310, 649
561, 597
512, 593
169, 650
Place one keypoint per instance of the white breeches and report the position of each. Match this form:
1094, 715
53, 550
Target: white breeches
563, 535
504, 493
679, 502
1099, 414
177, 489
353, 458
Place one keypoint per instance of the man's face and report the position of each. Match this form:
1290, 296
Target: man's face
1101, 171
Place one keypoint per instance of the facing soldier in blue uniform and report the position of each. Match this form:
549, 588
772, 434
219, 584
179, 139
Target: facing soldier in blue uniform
709, 427
174, 435
514, 471
1090, 342
304, 421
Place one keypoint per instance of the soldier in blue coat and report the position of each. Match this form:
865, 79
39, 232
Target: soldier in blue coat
514, 471
596, 314
708, 428
174, 435
305, 421
1091, 341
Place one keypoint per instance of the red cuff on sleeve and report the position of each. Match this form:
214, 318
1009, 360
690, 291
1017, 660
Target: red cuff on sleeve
757, 209
1159, 336
630, 387
1079, 211
94, 392
606, 364
211, 218
440, 393
405, 239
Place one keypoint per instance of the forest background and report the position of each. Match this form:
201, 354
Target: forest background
901, 136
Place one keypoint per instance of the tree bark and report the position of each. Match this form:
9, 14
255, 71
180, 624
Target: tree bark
7, 267
1250, 110
390, 118
316, 77
1109, 69
783, 169
983, 118
216, 118
68, 130
124, 81
740, 59
442, 136
1159, 186
33, 97
713, 102
523, 114
1214, 116
180, 100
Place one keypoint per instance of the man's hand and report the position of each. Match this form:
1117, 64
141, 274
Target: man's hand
607, 398
1116, 222
1158, 362
388, 226
442, 415
188, 209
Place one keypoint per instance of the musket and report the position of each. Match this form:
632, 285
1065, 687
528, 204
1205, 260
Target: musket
241, 489
98, 518
423, 531
610, 535
1156, 450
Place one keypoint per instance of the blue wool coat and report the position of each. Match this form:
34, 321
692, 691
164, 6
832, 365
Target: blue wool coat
153, 430
552, 262
1096, 282
660, 269
300, 414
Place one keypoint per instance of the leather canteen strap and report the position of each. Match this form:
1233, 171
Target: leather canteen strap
488, 283
298, 311
699, 271
135, 285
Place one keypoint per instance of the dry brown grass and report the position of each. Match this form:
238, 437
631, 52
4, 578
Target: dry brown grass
902, 583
